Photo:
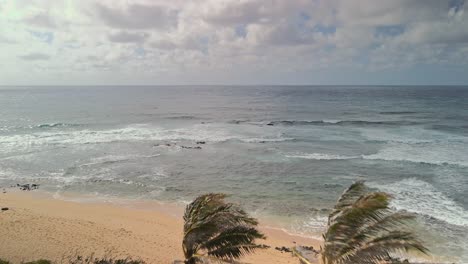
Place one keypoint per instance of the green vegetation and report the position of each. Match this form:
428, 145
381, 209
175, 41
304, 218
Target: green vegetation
85, 260
363, 229
41, 261
217, 230
105, 260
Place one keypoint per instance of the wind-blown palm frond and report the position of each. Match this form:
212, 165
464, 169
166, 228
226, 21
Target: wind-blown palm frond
363, 229
217, 229
348, 197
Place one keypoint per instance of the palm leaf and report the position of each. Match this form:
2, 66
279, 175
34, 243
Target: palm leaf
234, 252
217, 229
234, 236
348, 197
363, 229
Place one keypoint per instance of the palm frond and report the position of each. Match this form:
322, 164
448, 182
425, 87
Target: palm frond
380, 247
366, 230
364, 211
348, 197
234, 252
217, 228
234, 236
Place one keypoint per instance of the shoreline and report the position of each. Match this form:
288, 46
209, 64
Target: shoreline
38, 225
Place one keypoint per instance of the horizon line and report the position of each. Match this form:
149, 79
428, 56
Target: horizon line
234, 85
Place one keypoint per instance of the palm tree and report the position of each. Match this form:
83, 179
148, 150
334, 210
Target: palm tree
215, 229
363, 230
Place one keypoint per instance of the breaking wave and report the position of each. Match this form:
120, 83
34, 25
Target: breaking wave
358, 123
54, 125
131, 133
398, 113
435, 154
420, 197
320, 156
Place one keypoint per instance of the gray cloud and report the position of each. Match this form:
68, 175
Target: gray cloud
128, 37
233, 13
283, 34
7, 40
163, 44
136, 16
41, 20
35, 56
368, 12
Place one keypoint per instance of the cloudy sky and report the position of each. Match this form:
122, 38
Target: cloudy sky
84, 42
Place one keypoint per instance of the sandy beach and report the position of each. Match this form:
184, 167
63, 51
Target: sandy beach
38, 226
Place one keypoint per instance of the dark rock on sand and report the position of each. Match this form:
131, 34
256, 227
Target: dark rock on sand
283, 249
309, 248
201, 142
27, 187
5, 208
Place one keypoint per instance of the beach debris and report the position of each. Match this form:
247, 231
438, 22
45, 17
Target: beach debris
307, 249
5, 208
4, 191
187, 147
184, 147
283, 249
27, 186
304, 257
164, 145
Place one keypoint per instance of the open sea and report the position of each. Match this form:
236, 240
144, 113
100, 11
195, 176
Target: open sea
285, 153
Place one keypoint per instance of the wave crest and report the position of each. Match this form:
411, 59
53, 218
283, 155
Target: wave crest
340, 123
320, 156
54, 125
421, 197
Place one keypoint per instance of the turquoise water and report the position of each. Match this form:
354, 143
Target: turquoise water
285, 153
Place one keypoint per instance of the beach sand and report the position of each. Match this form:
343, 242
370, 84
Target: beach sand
38, 226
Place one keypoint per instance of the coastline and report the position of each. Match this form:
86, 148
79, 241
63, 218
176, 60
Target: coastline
40, 226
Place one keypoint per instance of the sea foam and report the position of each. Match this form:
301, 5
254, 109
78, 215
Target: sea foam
420, 197
320, 156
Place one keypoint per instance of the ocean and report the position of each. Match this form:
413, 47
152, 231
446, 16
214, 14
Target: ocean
285, 153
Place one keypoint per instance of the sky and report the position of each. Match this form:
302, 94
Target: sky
160, 42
